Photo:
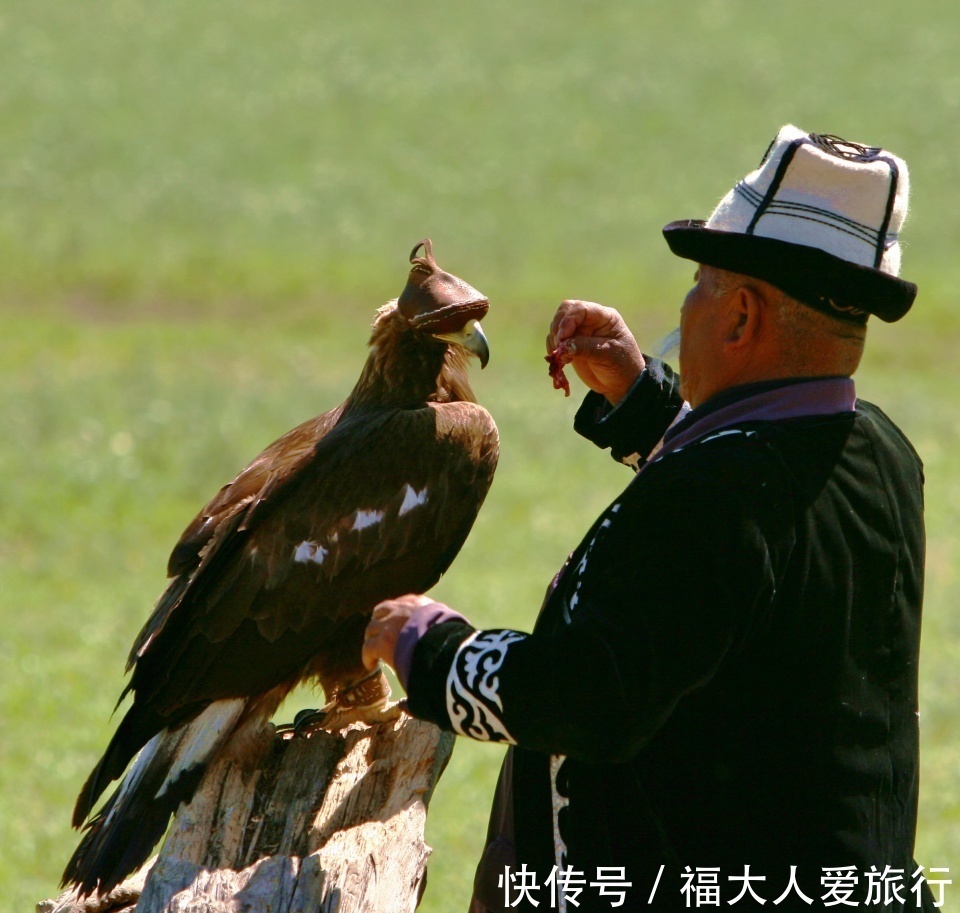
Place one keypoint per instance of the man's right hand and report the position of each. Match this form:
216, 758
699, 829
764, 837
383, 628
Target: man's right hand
599, 346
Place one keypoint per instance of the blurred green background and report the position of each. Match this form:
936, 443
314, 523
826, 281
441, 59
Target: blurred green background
202, 203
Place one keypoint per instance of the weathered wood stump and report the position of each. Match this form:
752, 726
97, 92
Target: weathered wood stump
333, 823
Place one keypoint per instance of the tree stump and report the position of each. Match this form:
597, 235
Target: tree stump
333, 823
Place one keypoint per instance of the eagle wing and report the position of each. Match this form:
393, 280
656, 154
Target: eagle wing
275, 579
277, 463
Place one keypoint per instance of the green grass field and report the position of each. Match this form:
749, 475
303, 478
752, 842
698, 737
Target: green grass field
203, 203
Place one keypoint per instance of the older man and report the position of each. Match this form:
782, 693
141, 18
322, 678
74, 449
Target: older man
718, 702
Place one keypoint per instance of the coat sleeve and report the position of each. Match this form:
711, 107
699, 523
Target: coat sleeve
633, 428
671, 584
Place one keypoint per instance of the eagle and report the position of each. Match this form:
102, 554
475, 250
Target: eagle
274, 581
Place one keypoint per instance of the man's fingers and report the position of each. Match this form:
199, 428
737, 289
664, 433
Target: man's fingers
369, 656
569, 316
370, 652
378, 642
607, 365
584, 318
568, 326
399, 603
594, 347
386, 623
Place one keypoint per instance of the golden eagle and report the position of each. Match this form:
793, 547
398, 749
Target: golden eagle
275, 579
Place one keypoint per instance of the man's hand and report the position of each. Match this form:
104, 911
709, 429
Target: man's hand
601, 349
389, 617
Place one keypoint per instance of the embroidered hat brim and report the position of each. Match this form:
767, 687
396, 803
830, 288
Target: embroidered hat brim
819, 279
819, 219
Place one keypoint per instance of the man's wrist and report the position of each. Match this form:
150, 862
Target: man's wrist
615, 397
424, 618
636, 424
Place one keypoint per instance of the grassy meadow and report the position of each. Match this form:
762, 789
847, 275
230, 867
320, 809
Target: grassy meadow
202, 203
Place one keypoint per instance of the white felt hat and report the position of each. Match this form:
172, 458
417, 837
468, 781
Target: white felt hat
820, 219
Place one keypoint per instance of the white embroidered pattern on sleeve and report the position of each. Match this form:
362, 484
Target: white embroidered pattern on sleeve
473, 699
560, 851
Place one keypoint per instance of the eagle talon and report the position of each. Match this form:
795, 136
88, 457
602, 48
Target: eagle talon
304, 723
341, 716
365, 701
307, 722
304, 716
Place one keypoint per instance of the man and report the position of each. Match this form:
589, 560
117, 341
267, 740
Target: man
718, 702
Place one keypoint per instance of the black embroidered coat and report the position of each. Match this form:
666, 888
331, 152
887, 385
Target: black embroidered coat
722, 682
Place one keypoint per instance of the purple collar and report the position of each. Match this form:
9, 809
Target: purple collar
824, 396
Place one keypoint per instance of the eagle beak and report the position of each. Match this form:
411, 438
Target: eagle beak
471, 338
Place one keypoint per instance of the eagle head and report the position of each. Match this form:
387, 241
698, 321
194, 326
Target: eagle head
442, 305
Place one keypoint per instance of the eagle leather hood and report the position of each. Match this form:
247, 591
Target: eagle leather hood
437, 301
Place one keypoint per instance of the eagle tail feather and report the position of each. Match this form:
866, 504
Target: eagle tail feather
135, 729
164, 774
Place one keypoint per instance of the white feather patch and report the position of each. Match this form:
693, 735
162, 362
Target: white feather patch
200, 738
367, 518
412, 499
310, 551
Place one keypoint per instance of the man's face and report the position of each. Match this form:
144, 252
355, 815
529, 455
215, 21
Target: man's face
699, 337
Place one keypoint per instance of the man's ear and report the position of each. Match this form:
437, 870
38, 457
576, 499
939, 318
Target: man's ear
744, 317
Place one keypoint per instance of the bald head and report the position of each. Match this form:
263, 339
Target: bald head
737, 330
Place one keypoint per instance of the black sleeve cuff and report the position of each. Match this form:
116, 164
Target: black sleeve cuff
634, 427
432, 658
